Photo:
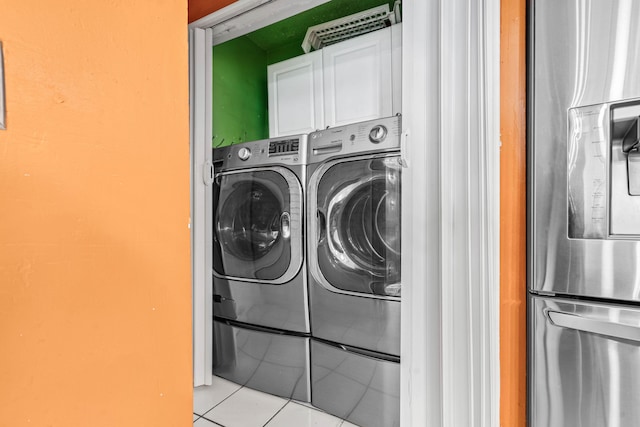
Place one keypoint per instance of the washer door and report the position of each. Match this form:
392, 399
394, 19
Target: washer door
258, 232
357, 231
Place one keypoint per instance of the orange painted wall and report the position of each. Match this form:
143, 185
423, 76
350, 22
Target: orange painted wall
95, 287
201, 8
513, 214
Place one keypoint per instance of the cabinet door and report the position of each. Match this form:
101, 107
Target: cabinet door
357, 79
295, 95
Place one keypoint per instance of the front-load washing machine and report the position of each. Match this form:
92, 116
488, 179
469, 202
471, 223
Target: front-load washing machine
261, 317
353, 224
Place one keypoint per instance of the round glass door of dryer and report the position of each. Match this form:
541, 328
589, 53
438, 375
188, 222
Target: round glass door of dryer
257, 225
358, 226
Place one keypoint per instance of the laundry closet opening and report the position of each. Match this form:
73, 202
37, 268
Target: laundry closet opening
306, 125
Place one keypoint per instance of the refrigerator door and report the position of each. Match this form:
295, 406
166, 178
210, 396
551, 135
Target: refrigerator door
584, 364
583, 164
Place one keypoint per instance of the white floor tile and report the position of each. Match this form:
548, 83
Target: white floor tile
346, 423
246, 408
206, 397
195, 417
297, 415
203, 422
307, 404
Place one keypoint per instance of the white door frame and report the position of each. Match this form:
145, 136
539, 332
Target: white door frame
450, 240
200, 103
450, 325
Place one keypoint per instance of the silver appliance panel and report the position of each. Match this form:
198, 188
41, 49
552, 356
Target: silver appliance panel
368, 323
377, 135
343, 305
584, 364
588, 159
264, 248
287, 150
273, 363
584, 54
282, 306
360, 319
362, 389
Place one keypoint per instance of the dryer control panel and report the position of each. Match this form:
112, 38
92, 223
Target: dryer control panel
378, 135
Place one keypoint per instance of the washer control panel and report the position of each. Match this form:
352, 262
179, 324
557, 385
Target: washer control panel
378, 135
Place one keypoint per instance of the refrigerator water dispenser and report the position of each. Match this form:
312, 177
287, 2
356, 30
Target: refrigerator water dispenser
625, 170
603, 170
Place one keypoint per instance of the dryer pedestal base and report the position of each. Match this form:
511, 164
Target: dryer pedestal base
361, 389
274, 363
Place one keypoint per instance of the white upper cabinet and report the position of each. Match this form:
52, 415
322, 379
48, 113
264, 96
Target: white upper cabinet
295, 95
351, 81
357, 79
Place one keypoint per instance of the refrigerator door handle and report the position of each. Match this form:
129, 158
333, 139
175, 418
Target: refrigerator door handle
597, 326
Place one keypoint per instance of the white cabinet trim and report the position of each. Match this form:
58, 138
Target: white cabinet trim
248, 16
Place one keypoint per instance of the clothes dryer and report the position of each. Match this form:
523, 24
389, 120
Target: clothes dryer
261, 318
353, 224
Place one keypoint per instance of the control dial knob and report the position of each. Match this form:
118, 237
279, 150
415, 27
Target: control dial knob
377, 134
244, 153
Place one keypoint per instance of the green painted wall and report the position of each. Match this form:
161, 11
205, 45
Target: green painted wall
239, 93
240, 103
284, 52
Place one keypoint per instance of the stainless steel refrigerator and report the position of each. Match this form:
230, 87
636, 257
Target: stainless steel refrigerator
584, 213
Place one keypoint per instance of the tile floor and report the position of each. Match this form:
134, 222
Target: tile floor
226, 404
